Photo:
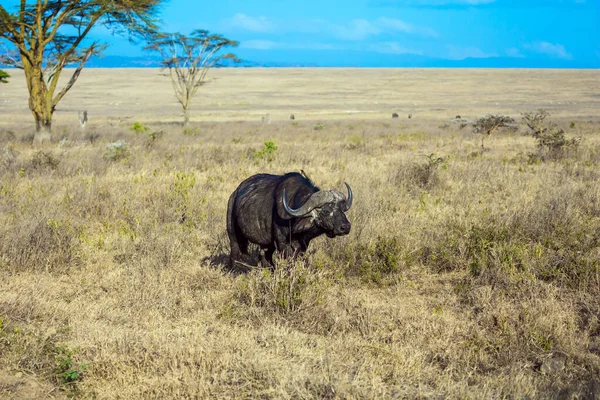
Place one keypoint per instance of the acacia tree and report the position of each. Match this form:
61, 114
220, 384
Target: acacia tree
47, 35
486, 126
189, 58
4, 76
535, 120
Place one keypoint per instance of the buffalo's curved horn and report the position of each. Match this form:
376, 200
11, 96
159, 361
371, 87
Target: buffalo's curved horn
316, 200
349, 198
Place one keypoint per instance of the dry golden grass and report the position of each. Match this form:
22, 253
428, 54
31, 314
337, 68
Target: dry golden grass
476, 277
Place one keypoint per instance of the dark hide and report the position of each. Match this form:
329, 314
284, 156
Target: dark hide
255, 214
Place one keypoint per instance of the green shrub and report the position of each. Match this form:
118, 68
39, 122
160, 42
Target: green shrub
4, 77
66, 369
138, 127
318, 127
267, 153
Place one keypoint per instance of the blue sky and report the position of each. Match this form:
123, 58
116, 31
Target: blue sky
381, 32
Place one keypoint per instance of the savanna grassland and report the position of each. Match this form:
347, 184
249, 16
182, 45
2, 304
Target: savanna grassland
469, 272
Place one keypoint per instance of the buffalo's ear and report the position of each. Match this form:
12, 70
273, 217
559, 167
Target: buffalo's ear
303, 224
290, 200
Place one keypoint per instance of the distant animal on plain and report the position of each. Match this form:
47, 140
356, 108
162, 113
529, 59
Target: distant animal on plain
292, 117
457, 117
409, 116
282, 213
395, 115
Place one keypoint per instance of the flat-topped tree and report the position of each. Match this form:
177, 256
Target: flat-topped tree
47, 35
486, 126
4, 77
188, 59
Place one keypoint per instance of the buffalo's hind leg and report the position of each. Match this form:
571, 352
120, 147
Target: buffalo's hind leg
237, 242
239, 249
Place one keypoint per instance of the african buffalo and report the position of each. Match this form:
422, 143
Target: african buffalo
283, 213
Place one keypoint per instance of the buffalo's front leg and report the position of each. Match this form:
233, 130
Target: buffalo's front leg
266, 257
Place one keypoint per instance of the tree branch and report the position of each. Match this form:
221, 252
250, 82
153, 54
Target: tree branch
74, 77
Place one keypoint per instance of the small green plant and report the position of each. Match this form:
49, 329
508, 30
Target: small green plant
267, 153
4, 77
116, 151
318, 127
138, 127
66, 369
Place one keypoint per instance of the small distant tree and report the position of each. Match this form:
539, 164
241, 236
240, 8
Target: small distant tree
551, 139
4, 77
535, 120
189, 58
486, 126
47, 35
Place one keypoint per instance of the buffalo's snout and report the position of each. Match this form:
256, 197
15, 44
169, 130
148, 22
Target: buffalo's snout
345, 228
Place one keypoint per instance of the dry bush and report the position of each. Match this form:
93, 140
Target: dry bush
552, 142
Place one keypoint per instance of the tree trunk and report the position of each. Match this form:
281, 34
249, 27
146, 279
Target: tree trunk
186, 118
40, 102
42, 114
43, 127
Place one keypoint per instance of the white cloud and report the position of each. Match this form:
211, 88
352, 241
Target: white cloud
396, 25
447, 2
259, 44
553, 50
358, 29
246, 23
392, 48
430, 3
514, 53
354, 30
361, 29
460, 53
